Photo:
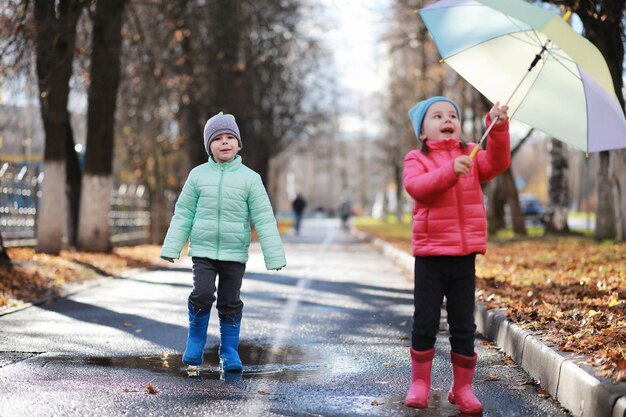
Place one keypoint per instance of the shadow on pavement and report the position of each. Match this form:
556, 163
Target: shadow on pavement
154, 331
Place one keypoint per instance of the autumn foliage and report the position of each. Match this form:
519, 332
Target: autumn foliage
38, 276
572, 290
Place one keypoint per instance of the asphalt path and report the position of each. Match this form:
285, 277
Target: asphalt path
326, 336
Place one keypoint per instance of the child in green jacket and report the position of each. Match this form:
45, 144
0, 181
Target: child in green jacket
214, 210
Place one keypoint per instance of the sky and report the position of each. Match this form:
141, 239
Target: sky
355, 30
355, 40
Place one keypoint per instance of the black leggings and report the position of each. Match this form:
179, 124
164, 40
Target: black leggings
205, 271
455, 278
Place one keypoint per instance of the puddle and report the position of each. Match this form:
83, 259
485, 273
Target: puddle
285, 364
438, 406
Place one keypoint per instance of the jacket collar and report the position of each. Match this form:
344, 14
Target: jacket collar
228, 166
443, 145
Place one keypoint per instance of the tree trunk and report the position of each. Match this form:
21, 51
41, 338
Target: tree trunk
94, 231
617, 173
192, 129
495, 207
4, 256
605, 210
73, 184
190, 116
512, 198
603, 25
55, 40
558, 191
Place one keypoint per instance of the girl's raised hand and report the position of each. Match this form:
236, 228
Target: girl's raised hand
501, 112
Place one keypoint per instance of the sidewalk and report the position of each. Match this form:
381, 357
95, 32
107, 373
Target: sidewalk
566, 377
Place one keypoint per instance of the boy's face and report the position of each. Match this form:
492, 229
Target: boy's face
441, 122
224, 147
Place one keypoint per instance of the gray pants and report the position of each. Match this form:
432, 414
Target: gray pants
205, 271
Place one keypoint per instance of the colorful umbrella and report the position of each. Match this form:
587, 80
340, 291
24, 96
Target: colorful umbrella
555, 80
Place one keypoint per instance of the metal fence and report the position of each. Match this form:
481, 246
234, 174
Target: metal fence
20, 192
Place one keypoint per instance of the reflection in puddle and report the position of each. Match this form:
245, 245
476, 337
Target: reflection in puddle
287, 364
438, 406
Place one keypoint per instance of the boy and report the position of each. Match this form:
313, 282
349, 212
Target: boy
213, 211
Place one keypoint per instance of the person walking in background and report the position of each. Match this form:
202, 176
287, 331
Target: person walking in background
298, 205
218, 201
449, 229
345, 212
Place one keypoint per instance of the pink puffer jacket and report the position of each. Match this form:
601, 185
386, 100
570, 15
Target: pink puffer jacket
449, 214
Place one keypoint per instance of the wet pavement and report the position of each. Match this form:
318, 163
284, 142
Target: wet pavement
326, 336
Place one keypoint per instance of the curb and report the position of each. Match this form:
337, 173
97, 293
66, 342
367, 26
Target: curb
566, 378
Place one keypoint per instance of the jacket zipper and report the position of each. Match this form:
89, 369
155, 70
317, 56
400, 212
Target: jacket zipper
459, 208
219, 211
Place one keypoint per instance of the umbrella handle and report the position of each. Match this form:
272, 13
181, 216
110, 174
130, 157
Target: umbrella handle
473, 153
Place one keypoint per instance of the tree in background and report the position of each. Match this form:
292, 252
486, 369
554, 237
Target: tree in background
94, 233
186, 60
19, 50
558, 190
415, 75
603, 23
55, 28
4, 256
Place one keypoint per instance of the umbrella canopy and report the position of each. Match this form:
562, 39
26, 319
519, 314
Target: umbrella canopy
552, 78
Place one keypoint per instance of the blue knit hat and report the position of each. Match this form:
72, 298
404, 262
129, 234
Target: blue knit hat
417, 112
218, 124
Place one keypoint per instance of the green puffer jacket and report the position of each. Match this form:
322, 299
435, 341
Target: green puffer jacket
214, 211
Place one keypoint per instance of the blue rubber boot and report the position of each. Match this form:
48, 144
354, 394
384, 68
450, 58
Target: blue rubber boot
229, 356
196, 339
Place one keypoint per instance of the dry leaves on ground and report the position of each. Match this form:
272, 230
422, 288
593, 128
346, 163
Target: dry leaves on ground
37, 276
571, 289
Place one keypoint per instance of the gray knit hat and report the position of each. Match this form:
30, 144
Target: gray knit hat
218, 124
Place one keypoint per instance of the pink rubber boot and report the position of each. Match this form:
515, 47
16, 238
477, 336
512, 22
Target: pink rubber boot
461, 392
421, 365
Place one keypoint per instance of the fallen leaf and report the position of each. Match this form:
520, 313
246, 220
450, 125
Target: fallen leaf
529, 382
508, 361
376, 403
151, 389
264, 392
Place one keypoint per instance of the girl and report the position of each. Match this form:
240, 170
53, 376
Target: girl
449, 229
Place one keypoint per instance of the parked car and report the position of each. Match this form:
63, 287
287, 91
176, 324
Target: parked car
531, 207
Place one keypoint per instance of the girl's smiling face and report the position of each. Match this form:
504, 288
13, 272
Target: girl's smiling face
224, 147
441, 122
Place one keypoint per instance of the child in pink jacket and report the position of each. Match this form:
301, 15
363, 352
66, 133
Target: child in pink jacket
449, 229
